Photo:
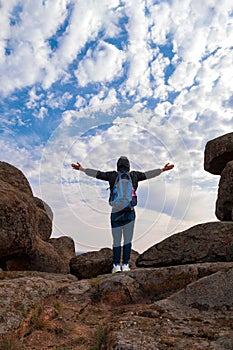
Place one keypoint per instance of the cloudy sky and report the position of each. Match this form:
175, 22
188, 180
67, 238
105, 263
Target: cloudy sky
90, 81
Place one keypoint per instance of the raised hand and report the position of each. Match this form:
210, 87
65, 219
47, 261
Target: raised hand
77, 166
168, 167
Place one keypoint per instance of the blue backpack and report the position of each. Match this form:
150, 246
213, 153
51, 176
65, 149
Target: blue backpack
123, 194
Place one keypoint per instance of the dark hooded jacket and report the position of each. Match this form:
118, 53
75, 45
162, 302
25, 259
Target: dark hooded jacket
123, 165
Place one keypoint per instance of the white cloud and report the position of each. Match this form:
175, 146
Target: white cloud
102, 65
184, 75
42, 113
34, 98
27, 41
139, 53
159, 21
60, 102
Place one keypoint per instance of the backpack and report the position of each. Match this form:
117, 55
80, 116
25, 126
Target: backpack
123, 194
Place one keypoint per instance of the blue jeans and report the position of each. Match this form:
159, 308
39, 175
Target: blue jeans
122, 224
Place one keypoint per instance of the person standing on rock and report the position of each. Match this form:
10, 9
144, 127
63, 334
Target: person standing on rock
123, 185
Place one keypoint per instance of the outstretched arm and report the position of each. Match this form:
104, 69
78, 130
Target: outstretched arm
101, 175
155, 172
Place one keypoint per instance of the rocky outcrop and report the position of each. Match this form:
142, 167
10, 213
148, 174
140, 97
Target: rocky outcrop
206, 242
224, 204
218, 152
25, 227
219, 160
129, 310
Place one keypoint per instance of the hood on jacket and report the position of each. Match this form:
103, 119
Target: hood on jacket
123, 164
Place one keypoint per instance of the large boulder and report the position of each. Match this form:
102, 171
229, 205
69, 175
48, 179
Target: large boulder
25, 226
14, 177
43, 257
215, 291
18, 220
208, 242
218, 152
224, 204
92, 264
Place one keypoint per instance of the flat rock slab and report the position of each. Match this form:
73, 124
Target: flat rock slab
218, 152
207, 242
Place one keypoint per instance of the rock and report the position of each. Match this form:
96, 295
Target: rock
120, 289
22, 292
208, 242
118, 311
153, 283
65, 248
61, 279
14, 177
19, 296
218, 152
166, 324
45, 218
215, 291
224, 204
158, 283
92, 264
48, 313
133, 258
25, 227
19, 262
18, 221
43, 257
44, 206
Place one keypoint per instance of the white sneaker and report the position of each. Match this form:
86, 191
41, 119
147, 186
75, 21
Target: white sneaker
116, 268
125, 267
